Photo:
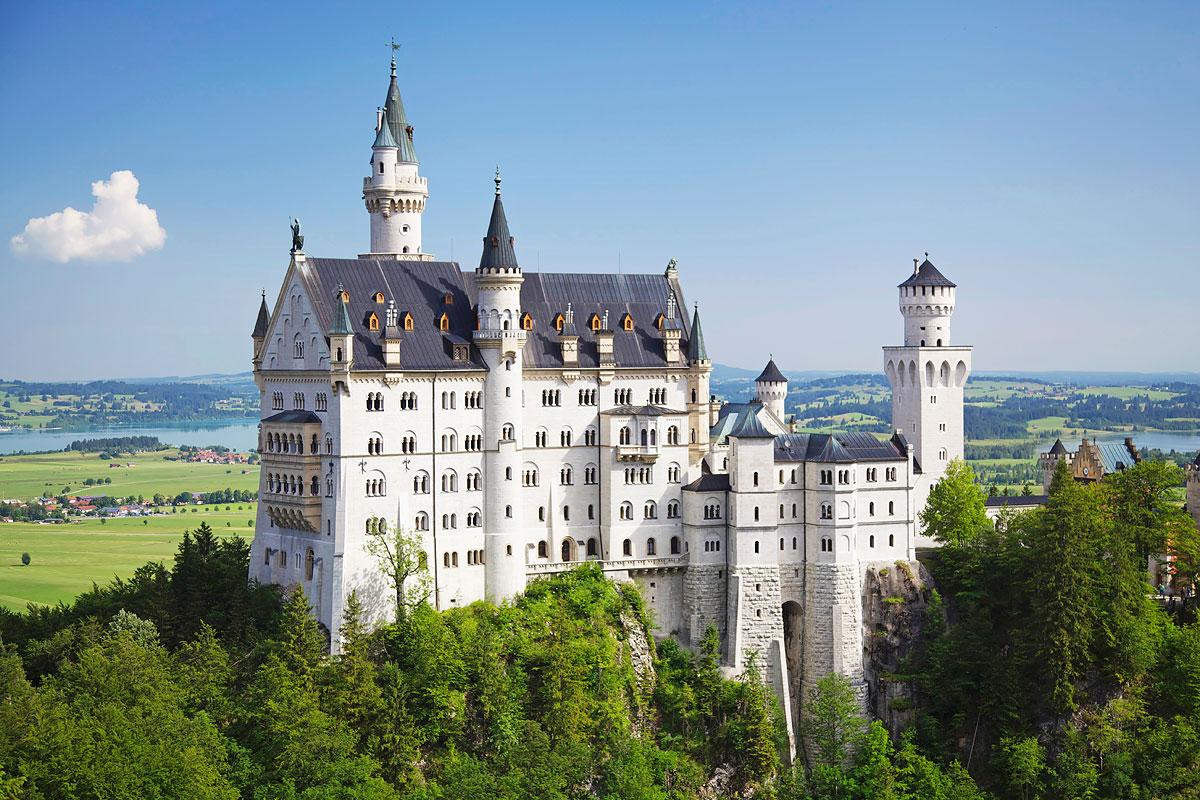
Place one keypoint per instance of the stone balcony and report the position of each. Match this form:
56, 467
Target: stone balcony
299, 512
646, 454
633, 565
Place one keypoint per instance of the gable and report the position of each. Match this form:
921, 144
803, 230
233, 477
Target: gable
295, 321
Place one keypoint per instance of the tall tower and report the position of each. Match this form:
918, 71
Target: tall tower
771, 389
394, 192
501, 340
927, 376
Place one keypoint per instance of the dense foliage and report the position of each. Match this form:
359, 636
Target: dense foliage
1054, 672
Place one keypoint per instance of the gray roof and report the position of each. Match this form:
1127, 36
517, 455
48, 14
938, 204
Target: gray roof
1115, 456
294, 416
771, 374
264, 319
341, 316
643, 411
498, 244
709, 483
833, 448
732, 414
417, 287
401, 131
695, 350
750, 426
1058, 449
383, 136
927, 275
546, 294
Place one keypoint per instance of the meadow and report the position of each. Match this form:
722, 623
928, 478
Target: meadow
67, 558
29, 476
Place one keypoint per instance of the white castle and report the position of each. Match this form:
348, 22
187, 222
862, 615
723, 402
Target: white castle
521, 424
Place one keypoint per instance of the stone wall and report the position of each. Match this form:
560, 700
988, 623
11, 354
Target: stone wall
704, 597
895, 606
833, 624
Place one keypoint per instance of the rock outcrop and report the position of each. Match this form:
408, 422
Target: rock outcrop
895, 624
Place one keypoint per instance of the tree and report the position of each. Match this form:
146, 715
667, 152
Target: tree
832, 724
955, 513
402, 559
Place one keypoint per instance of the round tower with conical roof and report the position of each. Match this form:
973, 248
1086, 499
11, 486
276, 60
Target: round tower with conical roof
771, 388
395, 192
501, 341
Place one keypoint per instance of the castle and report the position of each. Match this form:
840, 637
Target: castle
520, 424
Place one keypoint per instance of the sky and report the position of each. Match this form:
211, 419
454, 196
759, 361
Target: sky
793, 157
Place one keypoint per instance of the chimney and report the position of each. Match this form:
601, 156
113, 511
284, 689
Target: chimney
569, 339
604, 343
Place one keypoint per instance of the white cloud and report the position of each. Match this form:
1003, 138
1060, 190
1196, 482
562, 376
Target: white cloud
118, 228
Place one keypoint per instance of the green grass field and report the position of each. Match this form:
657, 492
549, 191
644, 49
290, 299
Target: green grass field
67, 559
24, 477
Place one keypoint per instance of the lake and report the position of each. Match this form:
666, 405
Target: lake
236, 435
1179, 441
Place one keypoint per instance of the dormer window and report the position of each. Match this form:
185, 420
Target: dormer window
408, 321
461, 352
660, 320
526, 321
448, 299
627, 322
345, 296
558, 322
373, 322
594, 322
379, 298
444, 322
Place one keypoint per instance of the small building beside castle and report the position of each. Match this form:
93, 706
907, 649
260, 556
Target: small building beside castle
520, 424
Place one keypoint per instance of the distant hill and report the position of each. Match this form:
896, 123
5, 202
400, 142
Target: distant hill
724, 373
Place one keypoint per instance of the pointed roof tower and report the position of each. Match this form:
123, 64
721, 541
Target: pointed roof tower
264, 319
341, 315
926, 274
498, 252
401, 131
1058, 449
383, 137
696, 351
771, 374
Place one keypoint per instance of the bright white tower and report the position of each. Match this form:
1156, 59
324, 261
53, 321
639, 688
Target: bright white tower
394, 192
771, 388
927, 376
501, 341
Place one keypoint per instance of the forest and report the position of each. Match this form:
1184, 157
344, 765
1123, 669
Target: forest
1047, 670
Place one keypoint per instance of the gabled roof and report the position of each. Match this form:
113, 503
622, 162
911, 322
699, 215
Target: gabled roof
263, 321
696, 351
1058, 449
732, 415
749, 426
927, 275
1114, 456
771, 374
837, 448
498, 244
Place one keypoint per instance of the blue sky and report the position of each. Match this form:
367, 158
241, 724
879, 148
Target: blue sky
794, 157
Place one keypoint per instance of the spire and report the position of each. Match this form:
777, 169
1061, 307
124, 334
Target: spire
1058, 449
393, 109
264, 319
383, 137
498, 252
341, 315
926, 274
696, 351
771, 374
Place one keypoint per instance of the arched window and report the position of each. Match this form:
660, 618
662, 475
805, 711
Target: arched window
594, 322
627, 548
566, 550
408, 321
651, 547
373, 322
675, 546
592, 549
627, 322
891, 508
542, 550
526, 321
508, 511
650, 511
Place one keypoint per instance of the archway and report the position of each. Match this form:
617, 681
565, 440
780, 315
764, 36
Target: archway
793, 648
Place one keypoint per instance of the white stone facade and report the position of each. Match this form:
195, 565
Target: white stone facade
523, 442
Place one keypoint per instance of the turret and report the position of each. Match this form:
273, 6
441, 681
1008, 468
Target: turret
341, 339
1049, 462
770, 389
395, 192
926, 302
501, 342
259, 336
671, 332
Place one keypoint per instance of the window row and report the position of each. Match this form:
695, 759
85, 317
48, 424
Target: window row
289, 443
291, 484
649, 510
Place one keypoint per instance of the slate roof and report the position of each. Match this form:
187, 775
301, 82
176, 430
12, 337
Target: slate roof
927, 275
417, 287
643, 411
1114, 456
771, 374
498, 243
709, 483
264, 319
383, 137
393, 107
1058, 449
750, 426
545, 294
294, 416
732, 414
695, 349
836, 448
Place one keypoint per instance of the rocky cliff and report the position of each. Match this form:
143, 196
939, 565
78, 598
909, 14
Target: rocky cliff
895, 618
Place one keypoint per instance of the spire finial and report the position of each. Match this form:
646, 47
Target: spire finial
395, 47
497, 180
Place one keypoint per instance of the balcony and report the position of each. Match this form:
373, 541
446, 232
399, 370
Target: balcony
295, 512
647, 454
616, 565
